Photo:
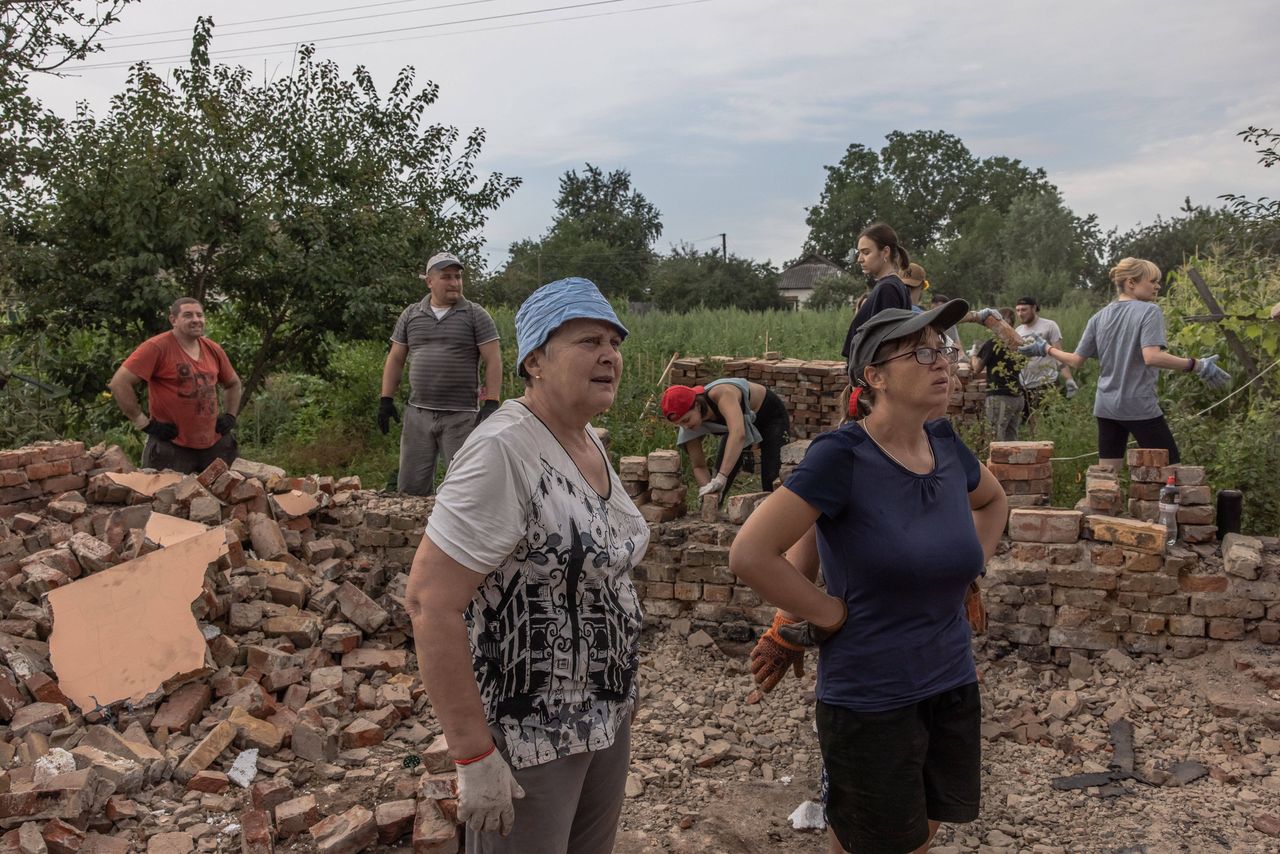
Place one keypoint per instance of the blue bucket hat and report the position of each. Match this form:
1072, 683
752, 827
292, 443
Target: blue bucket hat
551, 306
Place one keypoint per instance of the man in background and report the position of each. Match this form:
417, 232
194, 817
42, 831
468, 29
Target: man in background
182, 370
444, 337
1041, 372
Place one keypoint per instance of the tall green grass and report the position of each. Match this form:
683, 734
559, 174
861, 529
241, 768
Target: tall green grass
308, 424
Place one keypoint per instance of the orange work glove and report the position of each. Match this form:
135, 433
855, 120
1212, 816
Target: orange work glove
771, 657
975, 610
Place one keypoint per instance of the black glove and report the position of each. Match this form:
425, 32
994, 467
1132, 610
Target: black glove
386, 411
225, 424
487, 408
805, 634
161, 431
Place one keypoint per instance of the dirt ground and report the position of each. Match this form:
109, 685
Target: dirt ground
762, 760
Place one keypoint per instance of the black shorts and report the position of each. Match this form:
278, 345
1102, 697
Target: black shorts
890, 773
1113, 437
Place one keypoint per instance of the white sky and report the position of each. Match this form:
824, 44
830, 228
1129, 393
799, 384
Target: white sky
726, 111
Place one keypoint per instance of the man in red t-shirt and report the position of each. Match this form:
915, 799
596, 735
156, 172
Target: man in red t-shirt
182, 370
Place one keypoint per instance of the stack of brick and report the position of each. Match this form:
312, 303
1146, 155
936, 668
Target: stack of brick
792, 455
1102, 494
1149, 471
1055, 592
1024, 471
1146, 479
691, 371
634, 473
810, 390
968, 394
668, 493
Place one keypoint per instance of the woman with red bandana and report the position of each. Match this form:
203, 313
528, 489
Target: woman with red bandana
742, 413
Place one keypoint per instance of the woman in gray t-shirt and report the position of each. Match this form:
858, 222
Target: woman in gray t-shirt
1127, 338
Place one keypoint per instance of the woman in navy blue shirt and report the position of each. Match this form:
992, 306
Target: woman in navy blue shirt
905, 519
881, 258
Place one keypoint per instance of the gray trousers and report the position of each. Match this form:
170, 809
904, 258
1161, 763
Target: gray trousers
166, 455
1004, 413
570, 805
429, 434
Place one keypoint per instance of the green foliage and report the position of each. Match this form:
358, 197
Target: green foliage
1245, 287
984, 229
1264, 212
921, 183
836, 292
305, 206
1196, 230
36, 37
688, 279
604, 230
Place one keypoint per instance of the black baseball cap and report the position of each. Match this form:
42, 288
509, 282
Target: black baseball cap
1031, 301
894, 323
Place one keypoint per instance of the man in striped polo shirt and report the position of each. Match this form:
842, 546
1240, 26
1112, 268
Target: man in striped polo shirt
444, 337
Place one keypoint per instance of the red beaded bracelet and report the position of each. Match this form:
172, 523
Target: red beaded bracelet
474, 759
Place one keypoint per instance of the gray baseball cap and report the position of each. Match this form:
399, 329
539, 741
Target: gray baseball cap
894, 323
440, 260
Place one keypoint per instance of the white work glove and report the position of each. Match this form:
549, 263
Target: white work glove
1037, 346
1207, 369
716, 484
986, 314
485, 790
1072, 388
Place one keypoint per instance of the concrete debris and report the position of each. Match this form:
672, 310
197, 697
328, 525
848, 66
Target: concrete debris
808, 816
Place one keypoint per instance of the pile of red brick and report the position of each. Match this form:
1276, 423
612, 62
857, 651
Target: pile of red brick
308, 677
810, 390
658, 485
1024, 470
1149, 471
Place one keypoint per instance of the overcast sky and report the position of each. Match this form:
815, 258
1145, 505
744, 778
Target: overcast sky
726, 111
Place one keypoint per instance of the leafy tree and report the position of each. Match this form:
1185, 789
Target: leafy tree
922, 183
1261, 216
604, 230
37, 37
1170, 243
1037, 246
303, 207
688, 279
836, 291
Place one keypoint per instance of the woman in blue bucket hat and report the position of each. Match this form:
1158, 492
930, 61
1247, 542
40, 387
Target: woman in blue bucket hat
525, 619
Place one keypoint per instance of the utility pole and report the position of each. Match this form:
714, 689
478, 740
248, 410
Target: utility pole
724, 247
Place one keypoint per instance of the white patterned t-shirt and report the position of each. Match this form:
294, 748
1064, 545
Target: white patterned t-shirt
555, 625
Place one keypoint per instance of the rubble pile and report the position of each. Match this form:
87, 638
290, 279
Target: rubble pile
712, 773
301, 716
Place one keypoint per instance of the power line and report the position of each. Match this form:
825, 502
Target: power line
292, 44
178, 60
292, 26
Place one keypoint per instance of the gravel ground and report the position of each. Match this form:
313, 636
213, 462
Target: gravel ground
711, 773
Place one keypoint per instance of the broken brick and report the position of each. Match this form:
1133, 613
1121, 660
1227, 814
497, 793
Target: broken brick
256, 836
296, 815
348, 833
183, 708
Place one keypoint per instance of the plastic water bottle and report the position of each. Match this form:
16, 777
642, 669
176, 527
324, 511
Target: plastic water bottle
1169, 497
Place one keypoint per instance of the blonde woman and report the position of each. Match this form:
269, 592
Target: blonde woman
1127, 338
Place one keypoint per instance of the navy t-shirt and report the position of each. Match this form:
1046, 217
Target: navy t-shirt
889, 292
901, 549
